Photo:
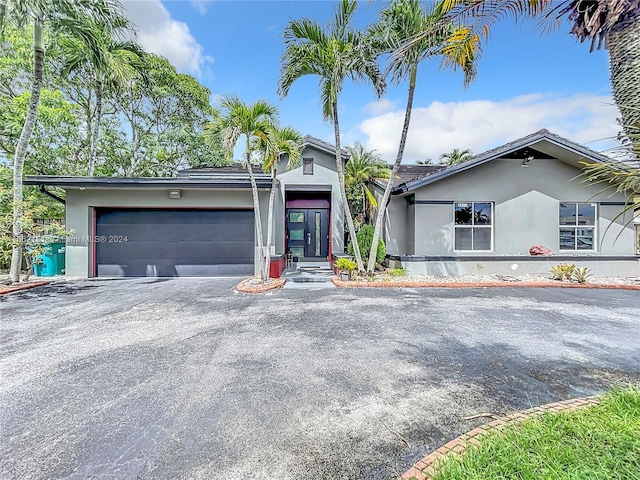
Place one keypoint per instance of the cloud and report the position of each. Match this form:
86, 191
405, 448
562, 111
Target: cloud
160, 34
200, 5
379, 107
484, 124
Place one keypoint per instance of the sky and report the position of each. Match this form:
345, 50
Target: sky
527, 79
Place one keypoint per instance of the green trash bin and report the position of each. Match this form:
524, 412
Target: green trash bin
51, 262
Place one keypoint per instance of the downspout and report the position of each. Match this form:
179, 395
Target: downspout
44, 190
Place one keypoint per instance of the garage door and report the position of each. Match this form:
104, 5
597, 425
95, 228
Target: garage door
171, 243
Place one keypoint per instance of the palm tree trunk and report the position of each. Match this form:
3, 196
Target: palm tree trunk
382, 205
96, 129
343, 192
21, 150
272, 198
624, 60
256, 211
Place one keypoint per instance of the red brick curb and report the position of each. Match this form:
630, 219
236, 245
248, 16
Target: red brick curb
423, 469
407, 284
23, 286
245, 287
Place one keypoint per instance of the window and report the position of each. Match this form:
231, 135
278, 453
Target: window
473, 224
577, 226
307, 166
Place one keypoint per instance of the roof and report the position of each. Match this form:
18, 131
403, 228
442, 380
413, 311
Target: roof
324, 146
207, 170
515, 149
210, 181
409, 172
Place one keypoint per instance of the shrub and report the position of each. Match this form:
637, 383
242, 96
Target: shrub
397, 272
540, 250
581, 274
365, 239
345, 264
562, 271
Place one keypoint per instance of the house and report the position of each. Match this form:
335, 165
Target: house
200, 223
477, 217
483, 215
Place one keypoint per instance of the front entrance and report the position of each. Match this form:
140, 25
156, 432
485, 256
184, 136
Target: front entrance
308, 233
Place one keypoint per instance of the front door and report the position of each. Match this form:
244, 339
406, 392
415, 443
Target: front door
308, 233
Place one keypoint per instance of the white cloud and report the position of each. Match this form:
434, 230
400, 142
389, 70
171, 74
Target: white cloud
379, 107
200, 5
160, 34
484, 124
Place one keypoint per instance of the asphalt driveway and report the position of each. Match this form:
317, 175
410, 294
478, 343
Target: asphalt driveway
184, 378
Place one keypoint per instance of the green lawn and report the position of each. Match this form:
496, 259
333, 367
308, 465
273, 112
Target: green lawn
594, 443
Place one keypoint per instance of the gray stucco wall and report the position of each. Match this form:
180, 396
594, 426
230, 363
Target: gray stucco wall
525, 209
395, 225
78, 260
324, 173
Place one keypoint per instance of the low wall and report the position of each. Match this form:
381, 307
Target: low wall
615, 267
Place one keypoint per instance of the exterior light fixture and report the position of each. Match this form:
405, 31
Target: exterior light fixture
528, 156
174, 193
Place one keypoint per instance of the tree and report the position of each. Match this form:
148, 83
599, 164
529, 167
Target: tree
333, 53
362, 168
60, 15
455, 156
109, 62
164, 116
284, 141
258, 120
399, 25
612, 24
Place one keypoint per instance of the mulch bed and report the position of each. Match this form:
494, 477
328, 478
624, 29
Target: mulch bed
254, 285
22, 286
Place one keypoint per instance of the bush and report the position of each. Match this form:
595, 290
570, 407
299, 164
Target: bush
397, 272
365, 239
346, 264
562, 271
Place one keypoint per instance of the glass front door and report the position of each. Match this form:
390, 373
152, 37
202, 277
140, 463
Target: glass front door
308, 233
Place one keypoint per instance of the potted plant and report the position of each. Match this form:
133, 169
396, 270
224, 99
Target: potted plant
345, 266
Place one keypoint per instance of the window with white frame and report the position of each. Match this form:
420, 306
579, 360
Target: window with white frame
473, 226
577, 223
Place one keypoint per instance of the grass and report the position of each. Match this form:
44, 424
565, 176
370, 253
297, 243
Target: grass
396, 272
593, 443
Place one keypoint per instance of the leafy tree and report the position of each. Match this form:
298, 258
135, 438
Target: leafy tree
54, 136
109, 63
334, 53
399, 25
163, 117
283, 141
427, 161
258, 120
362, 168
455, 156
60, 15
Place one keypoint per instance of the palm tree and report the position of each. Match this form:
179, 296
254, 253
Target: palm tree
455, 156
363, 167
612, 24
61, 15
457, 47
333, 53
111, 62
235, 119
284, 141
